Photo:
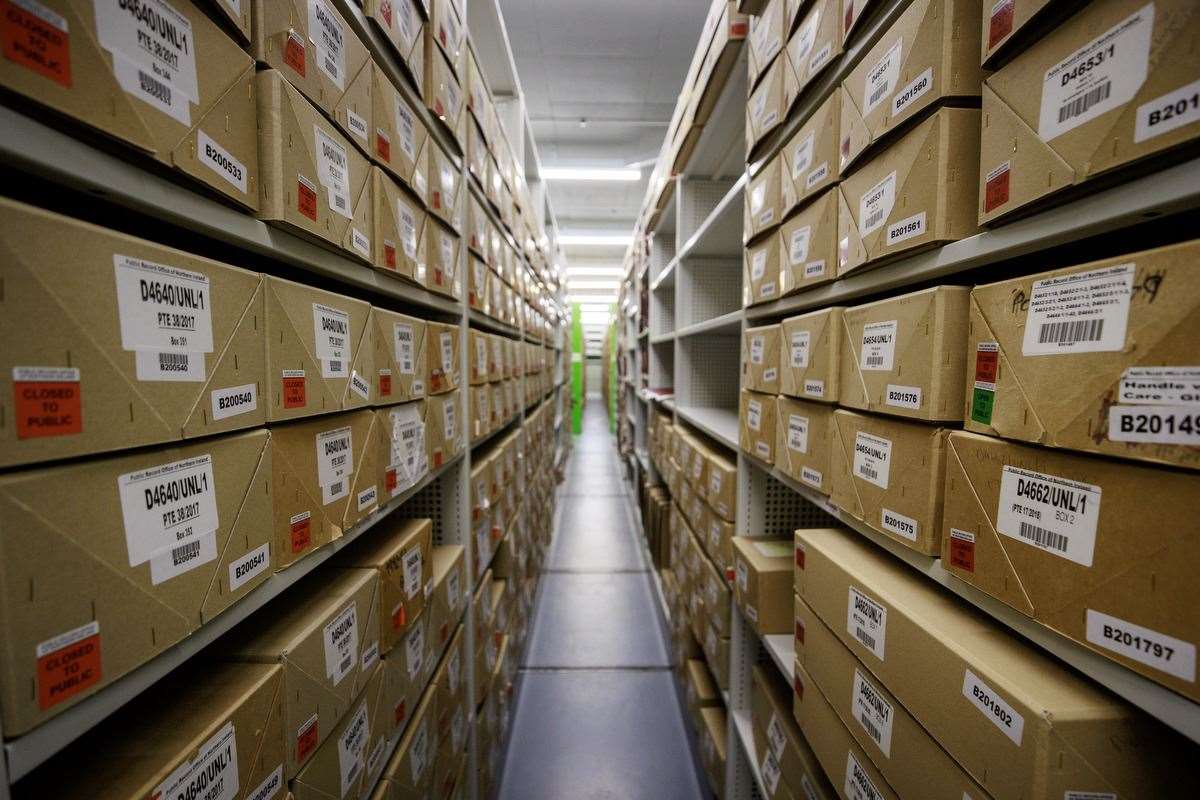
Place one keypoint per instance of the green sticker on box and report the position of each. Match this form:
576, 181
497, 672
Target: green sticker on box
982, 401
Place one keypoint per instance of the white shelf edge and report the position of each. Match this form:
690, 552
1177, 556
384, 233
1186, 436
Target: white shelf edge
745, 735
666, 278
732, 320
782, 648
478, 319
724, 206
661, 338
713, 421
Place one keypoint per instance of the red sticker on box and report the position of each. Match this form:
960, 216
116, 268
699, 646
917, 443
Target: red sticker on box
995, 190
1001, 22
306, 197
400, 712
294, 395
389, 480
301, 526
962, 550
399, 617
47, 401
383, 147
306, 739
437, 199
68, 664
389, 254
799, 632
294, 52
36, 38
987, 362
798, 686
799, 557
385, 385
437, 459
385, 11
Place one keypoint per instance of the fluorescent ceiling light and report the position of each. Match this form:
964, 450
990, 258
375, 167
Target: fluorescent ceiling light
592, 298
601, 320
590, 174
600, 272
594, 284
597, 307
610, 239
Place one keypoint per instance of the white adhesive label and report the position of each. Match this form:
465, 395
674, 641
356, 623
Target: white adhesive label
1100, 76
413, 569
1054, 514
1160, 386
335, 462
1167, 113
880, 80
153, 53
402, 334
798, 433
866, 621
418, 752
447, 344
341, 644
758, 265
814, 388
1070, 795
1155, 424
1086, 312
406, 222
269, 787
449, 427
220, 161
406, 126
757, 346
899, 524
162, 308
333, 169
802, 156
872, 459
357, 125
905, 229
875, 205
917, 88
873, 712
234, 401
814, 269
352, 749
331, 340
184, 558
806, 37
414, 650
800, 349
878, 351
360, 242
994, 707
811, 476
798, 246
1157, 650
368, 498
858, 783
359, 385
249, 566
770, 772
211, 775
820, 57
754, 415
168, 505
170, 367
775, 735
903, 396
818, 174
407, 452
327, 34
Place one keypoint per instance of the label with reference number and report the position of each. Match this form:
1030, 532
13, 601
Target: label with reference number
994, 707
167, 505
1164, 653
873, 712
1167, 113
878, 351
1054, 514
1086, 312
866, 621
872, 459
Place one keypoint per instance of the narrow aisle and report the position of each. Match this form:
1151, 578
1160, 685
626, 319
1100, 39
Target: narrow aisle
597, 715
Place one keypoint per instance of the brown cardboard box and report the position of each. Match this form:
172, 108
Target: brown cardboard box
441, 251
713, 736
478, 297
1095, 549
443, 431
916, 192
442, 357
171, 735
443, 93
404, 454
722, 486
400, 229
479, 399
1105, 378
764, 583
450, 587
716, 653
325, 477
323, 637
399, 356
845, 763
904, 356
768, 104
760, 281
716, 597
928, 56
1107, 87
339, 767
196, 116
408, 668
812, 347
400, 142
112, 373
811, 162
904, 503
1005, 20
404, 26
786, 762
757, 419
805, 443
319, 351
138, 588
447, 30
450, 685
908, 757
768, 33
760, 210
760, 359
312, 179
313, 48
718, 543
1011, 716
816, 43
699, 689
496, 365
399, 551
409, 772
808, 245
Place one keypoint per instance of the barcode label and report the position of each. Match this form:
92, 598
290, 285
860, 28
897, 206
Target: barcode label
858, 784
1158, 650
1081, 104
1055, 514
866, 621
184, 558
170, 367
881, 78
873, 712
1043, 538
872, 459
1071, 332
875, 204
878, 351
874, 219
1084, 312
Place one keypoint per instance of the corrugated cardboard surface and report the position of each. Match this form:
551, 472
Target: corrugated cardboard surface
805, 442
400, 240
1004, 21
1127, 392
768, 104
329, 616
443, 360
443, 427
926, 173
135, 611
405, 453
760, 279
1011, 716
443, 93
761, 208
441, 252
1123, 563
760, 359
928, 56
811, 352
69, 377
295, 189
404, 27
1059, 114
808, 246
399, 357
888, 473
716, 596
757, 418
446, 29
798, 773
185, 120
904, 356
409, 772
449, 591
764, 582
768, 32
810, 158
721, 495
713, 736
400, 141
408, 670
699, 689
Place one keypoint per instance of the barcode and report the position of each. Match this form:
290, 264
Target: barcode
868, 472
155, 88
878, 93
1071, 331
347, 662
874, 361
331, 65
335, 365
173, 362
867, 639
874, 219
876, 734
339, 201
1081, 104
335, 488
185, 553
1043, 538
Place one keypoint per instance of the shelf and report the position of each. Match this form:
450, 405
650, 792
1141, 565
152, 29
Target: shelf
480, 320
720, 235
644, 460
727, 324
662, 338
666, 278
719, 423
492, 434
643, 334
782, 648
1172, 709
27, 752
721, 148
1170, 190
31, 147
745, 735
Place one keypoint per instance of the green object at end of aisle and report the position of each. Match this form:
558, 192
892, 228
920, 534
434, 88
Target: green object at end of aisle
577, 367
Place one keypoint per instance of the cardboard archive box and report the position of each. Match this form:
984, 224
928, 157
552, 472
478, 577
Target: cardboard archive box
761, 208
216, 726
441, 253
404, 451
769, 102
805, 442
319, 351
713, 735
760, 359
450, 587
1006, 21
443, 93
174, 537
323, 637
786, 762
312, 179
930, 55
1111, 85
811, 355
904, 356
1095, 549
443, 427
446, 29
399, 356
163, 346
409, 771
408, 668
760, 278
1010, 715
699, 689
916, 192
192, 108
904, 503
721, 494
810, 158
808, 245
400, 141
757, 419
764, 583
404, 26
768, 33
443, 361
325, 478
1095, 357
400, 229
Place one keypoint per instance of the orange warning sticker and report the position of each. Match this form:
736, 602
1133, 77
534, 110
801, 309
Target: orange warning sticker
306, 197
294, 52
385, 384
47, 401
293, 388
401, 712
37, 38
995, 188
390, 480
306, 739
301, 532
68, 664
383, 147
399, 617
